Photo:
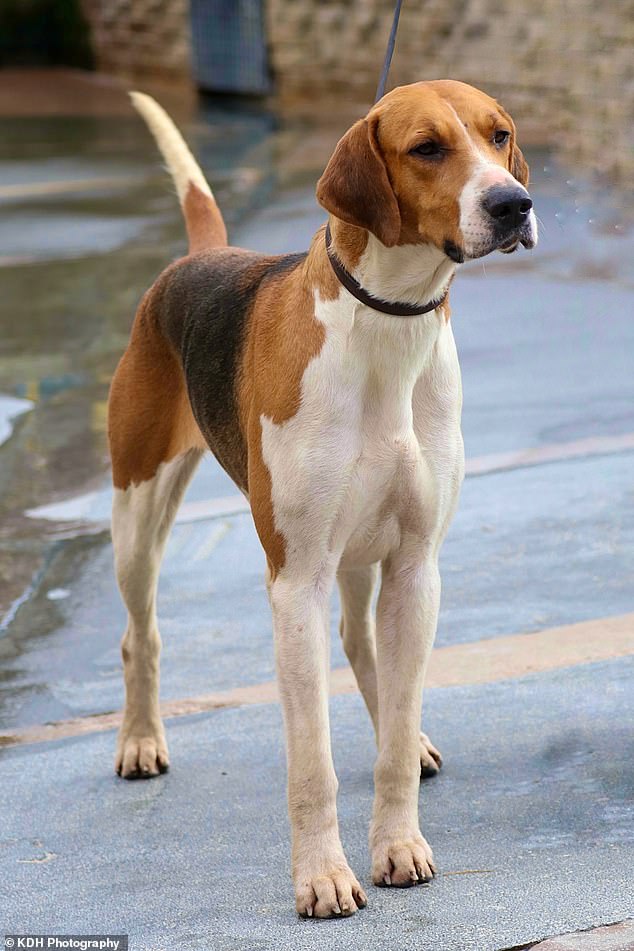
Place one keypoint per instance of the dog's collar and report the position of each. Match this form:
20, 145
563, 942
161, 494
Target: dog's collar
393, 308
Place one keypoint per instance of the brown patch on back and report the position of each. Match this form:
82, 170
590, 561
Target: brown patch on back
284, 336
149, 417
205, 225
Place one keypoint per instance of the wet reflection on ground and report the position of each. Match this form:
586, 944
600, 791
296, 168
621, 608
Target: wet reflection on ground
89, 219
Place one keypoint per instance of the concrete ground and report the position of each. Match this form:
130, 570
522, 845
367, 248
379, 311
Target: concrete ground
531, 698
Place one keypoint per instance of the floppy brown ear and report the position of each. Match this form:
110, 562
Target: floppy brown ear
355, 186
518, 164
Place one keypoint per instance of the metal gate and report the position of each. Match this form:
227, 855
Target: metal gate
229, 46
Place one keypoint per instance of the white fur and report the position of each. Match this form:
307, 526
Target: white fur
180, 162
368, 470
354, 439
142, 516
411, 273
475, 223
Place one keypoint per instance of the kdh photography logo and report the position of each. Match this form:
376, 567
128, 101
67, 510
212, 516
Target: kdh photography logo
67, 942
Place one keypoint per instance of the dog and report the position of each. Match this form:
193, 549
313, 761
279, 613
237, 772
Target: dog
327, 386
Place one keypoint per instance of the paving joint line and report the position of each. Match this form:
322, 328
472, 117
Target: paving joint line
487, 661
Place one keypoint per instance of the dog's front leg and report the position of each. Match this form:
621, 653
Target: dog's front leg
324, 884
407, 613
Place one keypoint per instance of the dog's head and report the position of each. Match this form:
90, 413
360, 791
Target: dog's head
436, 163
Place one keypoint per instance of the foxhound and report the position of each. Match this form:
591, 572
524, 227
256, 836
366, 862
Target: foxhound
327, 386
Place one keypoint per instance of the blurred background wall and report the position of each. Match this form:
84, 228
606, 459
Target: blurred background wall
564, 67
138, 37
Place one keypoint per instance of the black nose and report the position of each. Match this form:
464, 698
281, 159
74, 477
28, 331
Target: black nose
508, 206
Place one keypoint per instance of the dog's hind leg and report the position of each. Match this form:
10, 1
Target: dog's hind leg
357, 628
356, 587
156, 447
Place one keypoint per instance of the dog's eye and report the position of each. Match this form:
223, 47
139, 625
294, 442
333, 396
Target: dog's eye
501, 137
428, 149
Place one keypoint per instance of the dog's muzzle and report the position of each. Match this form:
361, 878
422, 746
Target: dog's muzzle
508, 208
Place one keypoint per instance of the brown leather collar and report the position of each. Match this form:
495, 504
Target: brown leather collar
393, 308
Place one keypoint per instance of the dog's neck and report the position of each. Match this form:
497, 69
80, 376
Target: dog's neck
411, 273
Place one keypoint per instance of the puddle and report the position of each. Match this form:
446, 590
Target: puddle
32, 237
88, 507
89, 220
10, 409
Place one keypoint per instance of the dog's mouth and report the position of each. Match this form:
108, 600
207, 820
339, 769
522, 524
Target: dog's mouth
507, 244
525, 236
509, 248
453, 252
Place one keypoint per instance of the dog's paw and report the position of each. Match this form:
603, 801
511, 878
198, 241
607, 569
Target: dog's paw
403, 862
334, 893
141, 756
430, 758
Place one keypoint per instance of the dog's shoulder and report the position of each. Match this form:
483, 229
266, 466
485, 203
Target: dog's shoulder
212, 293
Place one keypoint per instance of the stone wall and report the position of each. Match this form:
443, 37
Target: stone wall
134, 38
564, 67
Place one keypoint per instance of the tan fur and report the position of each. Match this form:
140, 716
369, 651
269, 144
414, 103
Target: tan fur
284, 332
149, 417
205, 227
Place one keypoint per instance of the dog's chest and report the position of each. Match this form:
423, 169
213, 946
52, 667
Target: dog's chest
353, 470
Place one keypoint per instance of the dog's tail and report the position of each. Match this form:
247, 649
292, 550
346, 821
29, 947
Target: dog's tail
205, 225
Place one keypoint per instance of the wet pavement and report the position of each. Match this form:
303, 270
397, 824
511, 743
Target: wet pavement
88, 220
532, 816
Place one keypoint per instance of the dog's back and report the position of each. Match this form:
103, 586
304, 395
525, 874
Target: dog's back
203, 304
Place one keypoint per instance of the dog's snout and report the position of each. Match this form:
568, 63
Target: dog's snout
509, 207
